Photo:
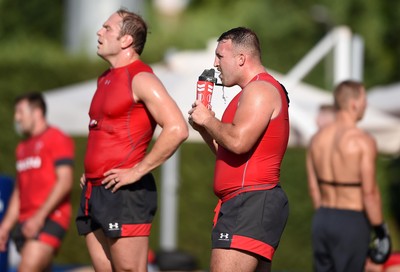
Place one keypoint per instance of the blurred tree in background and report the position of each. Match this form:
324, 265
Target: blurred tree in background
288, 29
35, 19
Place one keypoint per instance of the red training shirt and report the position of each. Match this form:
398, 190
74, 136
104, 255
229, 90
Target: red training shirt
261, 165
37, 159
120, 129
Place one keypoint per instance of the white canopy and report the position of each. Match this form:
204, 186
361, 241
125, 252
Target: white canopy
68, 106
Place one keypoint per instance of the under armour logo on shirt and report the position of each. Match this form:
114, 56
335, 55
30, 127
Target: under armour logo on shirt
224, 236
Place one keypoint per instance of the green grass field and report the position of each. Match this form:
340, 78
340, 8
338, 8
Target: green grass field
197, 201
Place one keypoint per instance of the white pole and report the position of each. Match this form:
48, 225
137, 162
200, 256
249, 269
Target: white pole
170, 7
169, 189
342, 55
357, 58
308, 62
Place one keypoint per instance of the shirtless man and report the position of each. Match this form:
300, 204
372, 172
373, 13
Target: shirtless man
326, 115
341, 179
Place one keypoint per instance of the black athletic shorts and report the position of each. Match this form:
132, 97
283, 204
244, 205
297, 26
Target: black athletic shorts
128, 212
252, 221
51, 234
340, 240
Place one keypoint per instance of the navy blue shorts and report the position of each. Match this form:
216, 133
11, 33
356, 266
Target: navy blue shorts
252, 221
128, 212
340, 240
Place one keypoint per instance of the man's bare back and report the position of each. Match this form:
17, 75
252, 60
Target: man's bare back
341, 179
336, 152
341, 159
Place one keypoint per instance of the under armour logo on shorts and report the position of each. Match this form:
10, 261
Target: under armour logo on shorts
112, 226
224, 236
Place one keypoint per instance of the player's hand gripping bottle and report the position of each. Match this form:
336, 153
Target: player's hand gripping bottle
205, 87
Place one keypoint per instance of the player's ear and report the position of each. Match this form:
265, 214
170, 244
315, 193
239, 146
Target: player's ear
37, 112
126, 41
355, 105
241, 59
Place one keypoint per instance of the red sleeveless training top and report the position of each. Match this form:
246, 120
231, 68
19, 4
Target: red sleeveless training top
261, 165
37, 160
120, 129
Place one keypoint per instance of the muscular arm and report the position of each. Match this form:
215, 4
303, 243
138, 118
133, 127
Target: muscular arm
257, 105
208, 139
370, 189
167, 115
313, 188
62, 188
149, 90
202, 131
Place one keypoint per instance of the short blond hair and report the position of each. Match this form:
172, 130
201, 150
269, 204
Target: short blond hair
133, 25
345, 91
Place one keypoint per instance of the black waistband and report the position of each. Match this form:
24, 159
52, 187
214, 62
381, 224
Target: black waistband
342, 184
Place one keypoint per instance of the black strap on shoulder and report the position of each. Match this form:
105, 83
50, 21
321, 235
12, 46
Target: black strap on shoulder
286, 93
